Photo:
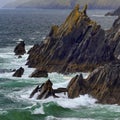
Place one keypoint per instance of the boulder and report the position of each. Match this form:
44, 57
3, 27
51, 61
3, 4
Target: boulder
77, 86
39, 73
19, 72
20, 49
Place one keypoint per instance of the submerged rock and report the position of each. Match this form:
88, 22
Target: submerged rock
39, 73
20, 49
19, 72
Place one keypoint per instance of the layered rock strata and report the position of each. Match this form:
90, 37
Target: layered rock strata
76, 45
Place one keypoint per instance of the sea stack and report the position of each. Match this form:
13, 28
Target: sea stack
20, 49
76, 45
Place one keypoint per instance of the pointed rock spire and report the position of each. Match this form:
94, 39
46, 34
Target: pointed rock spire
77, 7
85, 9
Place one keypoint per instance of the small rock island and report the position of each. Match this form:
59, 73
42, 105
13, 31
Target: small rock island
80, 44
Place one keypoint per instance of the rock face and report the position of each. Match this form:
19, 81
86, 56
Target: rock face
79, 44
103, 84
39, 73
44, 91
114, 13
20, 49
19, 72
77, 86
76, 45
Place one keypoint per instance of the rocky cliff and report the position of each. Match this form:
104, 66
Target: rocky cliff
78, 44
103, 84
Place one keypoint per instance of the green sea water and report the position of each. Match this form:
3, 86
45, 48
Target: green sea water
15, 104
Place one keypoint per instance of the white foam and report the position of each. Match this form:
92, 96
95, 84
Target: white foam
83, 100
20, 39
71, 118
98, 15
39, 110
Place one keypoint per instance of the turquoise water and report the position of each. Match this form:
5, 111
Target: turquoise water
15, 103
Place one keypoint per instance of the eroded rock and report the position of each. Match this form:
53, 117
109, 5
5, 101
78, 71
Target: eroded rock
19, 72
73, 46
77, 86
104, 83
39, 73
20, 49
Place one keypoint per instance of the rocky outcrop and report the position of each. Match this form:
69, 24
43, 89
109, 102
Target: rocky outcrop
76, 45
20, 49
114, 13
19, 72
113, 39
104, 83
77, 86
39, 73
6, 70
45, 90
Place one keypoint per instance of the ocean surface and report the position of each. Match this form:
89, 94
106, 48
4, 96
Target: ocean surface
32, 26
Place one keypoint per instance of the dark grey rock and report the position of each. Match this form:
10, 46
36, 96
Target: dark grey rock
19, 72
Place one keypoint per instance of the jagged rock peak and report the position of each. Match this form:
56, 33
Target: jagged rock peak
71, 46
71, 22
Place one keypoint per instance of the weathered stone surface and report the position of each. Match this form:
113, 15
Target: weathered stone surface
37, 89
19, 72
46, 90
77, 86
76, 45
104, 83
113, 39
114, 13
39, 73
20, 49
